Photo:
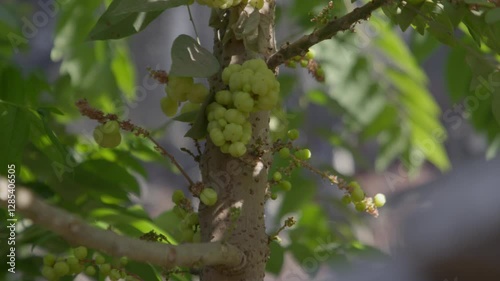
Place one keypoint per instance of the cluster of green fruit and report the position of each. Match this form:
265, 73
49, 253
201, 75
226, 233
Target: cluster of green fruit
108, 134
252, 87
357, 196
189, 226
55, 268
285, 153
302, 60
224, 4
179, 90
307, 61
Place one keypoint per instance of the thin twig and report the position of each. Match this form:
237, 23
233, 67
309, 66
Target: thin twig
346, 22
95, 114
172, 159
77, 232
194, 26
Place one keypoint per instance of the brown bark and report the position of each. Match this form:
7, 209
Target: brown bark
241, 182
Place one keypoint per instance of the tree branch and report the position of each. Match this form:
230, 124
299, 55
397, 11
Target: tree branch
78, 232
346, 22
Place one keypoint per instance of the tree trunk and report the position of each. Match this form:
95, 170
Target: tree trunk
239, 182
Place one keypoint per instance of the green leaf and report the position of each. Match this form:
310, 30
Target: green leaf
386, 119
124, 71
114, 25
15, 124
442, 28
105, 177
134, 6
277, 258
423, 45
492, 16
189, 59
458, 75
408, 14
187, 116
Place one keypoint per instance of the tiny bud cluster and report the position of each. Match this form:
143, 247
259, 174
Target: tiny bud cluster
252, 87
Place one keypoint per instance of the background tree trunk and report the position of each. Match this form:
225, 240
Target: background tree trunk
240, 183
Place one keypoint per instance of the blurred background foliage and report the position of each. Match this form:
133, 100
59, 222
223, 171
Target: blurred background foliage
376, 94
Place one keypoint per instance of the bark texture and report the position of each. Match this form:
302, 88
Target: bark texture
240, 183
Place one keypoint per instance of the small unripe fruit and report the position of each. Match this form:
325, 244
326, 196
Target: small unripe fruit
274, 196
379, 200
303, 154
357, 194
291, 64
309, 55
111, 127
99, 259
123, 261
304, 63
73, 261
80, 252
360, 206
285, 185
49, 260
208, 196
284, 152
277, 176
105, 268
293, 134
179, 212
169, 106
346, 199
90, 270
61, 268
106, 137
178, 196
48, 272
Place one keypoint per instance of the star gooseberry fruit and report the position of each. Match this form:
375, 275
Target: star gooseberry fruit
208, 196
108, 135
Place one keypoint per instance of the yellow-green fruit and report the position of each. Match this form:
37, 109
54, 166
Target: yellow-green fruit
379, 200
360, 206
190, 107
61, 268
178, 196
105, 137
90, 270
208, 196
105, 268
80, 252
197, 93
169, 106
111, 127
99, 259
357, 194
49, 260
48, 272
285, 185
